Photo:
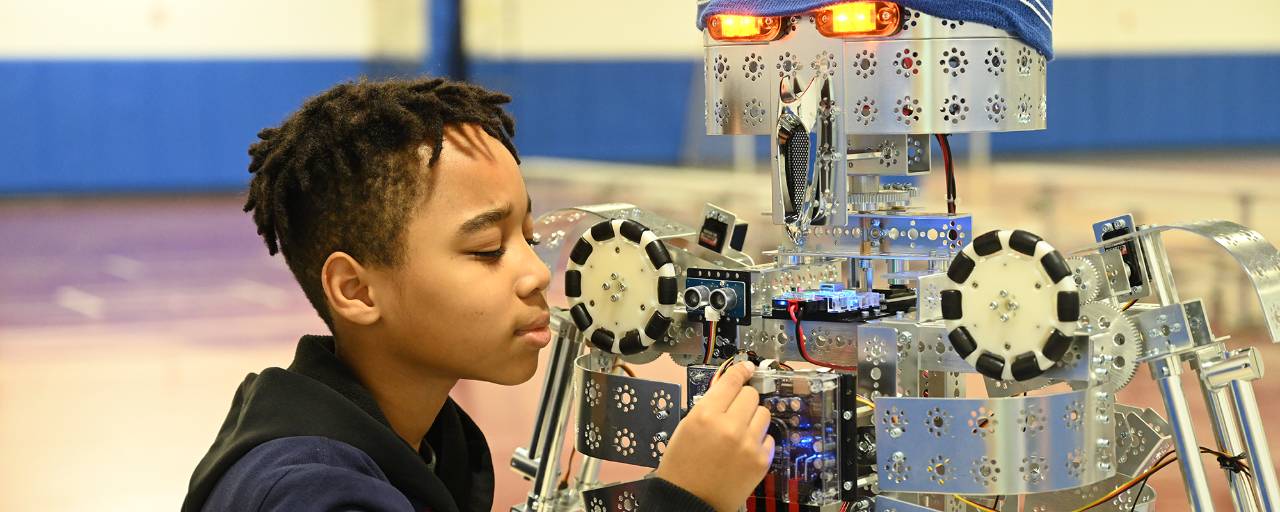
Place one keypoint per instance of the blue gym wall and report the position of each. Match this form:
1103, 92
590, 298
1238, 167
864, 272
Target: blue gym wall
94, 125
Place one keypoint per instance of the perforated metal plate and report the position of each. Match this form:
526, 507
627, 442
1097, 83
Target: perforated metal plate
936, 77
624, 419
935, 236
623, 497
994, 446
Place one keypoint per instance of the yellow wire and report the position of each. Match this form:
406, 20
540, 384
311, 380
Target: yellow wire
974, 505
723, 366
1112, 495
864, 401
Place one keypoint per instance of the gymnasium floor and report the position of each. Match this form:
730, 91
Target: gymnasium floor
126, 323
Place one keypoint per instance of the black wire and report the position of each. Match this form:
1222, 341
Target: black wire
1138, 496
949, 166
1143, 486
996, 505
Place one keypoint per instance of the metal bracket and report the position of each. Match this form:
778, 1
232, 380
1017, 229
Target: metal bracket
1259, 259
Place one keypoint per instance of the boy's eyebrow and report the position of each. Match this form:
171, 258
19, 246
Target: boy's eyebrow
484, 220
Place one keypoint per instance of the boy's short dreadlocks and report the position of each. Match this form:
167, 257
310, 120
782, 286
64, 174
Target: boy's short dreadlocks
345, 171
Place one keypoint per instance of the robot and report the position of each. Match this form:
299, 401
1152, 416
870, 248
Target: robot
898, 313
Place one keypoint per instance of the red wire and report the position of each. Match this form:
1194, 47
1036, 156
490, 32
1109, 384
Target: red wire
711, 344
801, 342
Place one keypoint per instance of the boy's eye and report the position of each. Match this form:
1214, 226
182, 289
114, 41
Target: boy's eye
499, 252
490, 255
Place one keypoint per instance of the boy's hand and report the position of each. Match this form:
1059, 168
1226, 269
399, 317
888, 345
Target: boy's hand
722, 448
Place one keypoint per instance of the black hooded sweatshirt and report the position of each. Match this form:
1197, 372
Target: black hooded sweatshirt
311, 437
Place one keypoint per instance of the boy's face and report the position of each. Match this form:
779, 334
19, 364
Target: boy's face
469, 301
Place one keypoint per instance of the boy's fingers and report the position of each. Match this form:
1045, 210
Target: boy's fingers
724, 389
743, 406
766, 449
759, 425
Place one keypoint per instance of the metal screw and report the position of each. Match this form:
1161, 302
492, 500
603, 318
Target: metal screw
1004, 293
866, 448
1004, 318
661, 437
848, 486
613, 298
847, 416
613, 277
604, 286
1013, 305
993, 304
662, 415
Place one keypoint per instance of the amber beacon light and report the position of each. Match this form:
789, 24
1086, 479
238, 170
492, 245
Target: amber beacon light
734, 27
853, 19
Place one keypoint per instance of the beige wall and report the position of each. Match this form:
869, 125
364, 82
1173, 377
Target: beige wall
582, 29
223, 28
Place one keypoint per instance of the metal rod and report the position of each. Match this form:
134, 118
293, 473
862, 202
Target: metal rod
1158, 267
589, 473
557, 411
1167, 372
1227, 432
1255, 442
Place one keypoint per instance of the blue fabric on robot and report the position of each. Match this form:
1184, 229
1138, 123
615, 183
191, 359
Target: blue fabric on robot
1028, 20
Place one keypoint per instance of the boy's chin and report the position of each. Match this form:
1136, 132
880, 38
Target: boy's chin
516, 372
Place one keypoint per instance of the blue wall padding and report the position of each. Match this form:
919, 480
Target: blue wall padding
600, 110
1095, 103
123, 126
95, 126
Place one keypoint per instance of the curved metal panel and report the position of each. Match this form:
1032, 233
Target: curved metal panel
1014, 445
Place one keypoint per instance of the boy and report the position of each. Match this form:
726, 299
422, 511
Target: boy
397, 206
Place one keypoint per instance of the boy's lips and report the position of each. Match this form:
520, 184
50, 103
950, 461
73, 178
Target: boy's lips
538, 331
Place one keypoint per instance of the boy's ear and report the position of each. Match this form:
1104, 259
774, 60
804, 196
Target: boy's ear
347, 289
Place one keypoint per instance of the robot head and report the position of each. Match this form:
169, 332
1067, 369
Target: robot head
856, 89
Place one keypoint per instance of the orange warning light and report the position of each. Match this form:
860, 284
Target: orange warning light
858, 19
735, 27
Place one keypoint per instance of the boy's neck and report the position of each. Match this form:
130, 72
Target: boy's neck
410, 400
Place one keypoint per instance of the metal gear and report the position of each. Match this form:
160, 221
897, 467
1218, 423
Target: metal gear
1120, 343
889, 195
1088, 278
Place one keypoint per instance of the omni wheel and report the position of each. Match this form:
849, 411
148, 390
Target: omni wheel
622, 285
1010, 308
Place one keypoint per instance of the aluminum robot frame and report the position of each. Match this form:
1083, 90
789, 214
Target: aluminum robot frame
894, 308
